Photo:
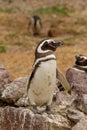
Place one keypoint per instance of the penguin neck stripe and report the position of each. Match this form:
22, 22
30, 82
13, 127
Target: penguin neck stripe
35, 67
85, 58
84, 68
44, 58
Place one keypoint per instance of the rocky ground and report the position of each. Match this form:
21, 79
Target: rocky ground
17, 46
69, 111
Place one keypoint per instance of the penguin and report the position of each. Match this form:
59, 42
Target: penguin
42, 81
81, 62
35, 24
62, 83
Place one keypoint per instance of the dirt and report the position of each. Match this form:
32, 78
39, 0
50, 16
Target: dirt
20, 43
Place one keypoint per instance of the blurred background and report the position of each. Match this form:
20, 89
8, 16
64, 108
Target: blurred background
61, 20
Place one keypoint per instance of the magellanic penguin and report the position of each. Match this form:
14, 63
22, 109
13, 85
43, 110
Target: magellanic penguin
42, 81
35, 24
81, 62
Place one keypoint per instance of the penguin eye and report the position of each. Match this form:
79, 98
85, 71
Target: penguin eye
82, 59
51, 43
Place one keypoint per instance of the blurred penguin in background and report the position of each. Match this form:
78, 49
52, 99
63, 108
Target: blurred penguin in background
35, 24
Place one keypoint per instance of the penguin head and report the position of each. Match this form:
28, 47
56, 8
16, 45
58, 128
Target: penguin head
48, 45
81, 60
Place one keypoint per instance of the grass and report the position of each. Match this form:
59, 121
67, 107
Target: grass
23, 44
2, 48
12, 35
71, 40
9, 1
81, 21
7, 10
52, 10
20, 45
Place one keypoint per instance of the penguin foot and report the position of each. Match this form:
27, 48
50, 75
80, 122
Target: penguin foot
35, 110
48, 110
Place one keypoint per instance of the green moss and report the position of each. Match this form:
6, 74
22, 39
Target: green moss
7, 10
9, 1
2, 48
53, 10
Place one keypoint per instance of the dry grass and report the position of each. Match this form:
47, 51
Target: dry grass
20, 44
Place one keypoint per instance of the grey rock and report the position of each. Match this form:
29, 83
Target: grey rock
4, 77
12, 118
78, 80
14, 90
22, 118
64, 98
81, 125
81, 103
75, 115
23, 101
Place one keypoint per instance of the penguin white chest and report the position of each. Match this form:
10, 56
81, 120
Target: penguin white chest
43, 83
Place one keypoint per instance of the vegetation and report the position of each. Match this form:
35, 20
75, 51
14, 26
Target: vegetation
12, 35
9, 1
7, 10
52, 10
2, 48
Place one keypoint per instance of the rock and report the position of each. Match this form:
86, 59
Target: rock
12, 118
81, 125
23, 101
4, 77
81, 103
22, 118
77, 77
64, 98
78, 80
75, 115
61, 98
14, 90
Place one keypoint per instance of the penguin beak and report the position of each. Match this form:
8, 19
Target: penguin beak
58, 44
79, 58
